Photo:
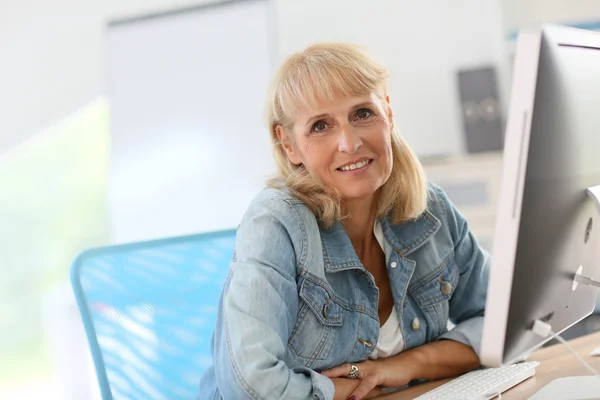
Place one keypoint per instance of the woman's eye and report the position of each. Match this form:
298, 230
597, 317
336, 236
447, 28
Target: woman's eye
364, 113
319, 126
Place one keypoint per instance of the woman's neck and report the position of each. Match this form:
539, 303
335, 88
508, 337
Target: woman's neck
359, 223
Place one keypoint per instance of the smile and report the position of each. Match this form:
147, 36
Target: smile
358, 165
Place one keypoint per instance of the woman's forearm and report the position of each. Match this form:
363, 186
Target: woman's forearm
436, 360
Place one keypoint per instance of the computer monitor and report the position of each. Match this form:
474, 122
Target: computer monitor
546, 252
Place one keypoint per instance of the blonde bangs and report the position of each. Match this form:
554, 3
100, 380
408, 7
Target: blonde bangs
325, 72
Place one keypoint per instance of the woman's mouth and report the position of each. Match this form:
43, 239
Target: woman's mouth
357, 166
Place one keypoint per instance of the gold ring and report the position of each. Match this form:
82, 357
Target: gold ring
353, 372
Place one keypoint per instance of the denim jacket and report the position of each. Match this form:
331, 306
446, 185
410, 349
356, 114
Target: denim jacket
298, 300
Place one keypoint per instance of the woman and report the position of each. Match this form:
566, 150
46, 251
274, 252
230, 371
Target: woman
348, 268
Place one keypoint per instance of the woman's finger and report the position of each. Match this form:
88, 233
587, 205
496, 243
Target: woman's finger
365, 387
338, 372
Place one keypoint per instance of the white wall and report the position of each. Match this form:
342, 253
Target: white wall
520, 13
52, 59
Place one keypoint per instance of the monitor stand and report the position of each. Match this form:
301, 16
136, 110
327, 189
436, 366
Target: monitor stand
570, 388
575, 387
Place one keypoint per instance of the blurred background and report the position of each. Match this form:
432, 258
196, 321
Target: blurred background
130, 120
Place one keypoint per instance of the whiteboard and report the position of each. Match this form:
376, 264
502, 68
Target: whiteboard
189, 143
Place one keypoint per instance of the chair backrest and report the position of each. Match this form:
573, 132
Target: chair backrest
149, 310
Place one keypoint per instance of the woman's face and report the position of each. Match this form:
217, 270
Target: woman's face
347, 144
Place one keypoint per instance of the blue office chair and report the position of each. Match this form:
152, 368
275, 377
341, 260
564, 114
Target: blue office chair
149, 310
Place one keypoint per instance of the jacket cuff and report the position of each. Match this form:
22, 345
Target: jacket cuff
323, 388
467, 332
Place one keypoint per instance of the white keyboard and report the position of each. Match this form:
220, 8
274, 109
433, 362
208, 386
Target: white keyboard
482, 384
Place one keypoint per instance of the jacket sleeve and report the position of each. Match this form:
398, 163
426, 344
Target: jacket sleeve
258, 310
467, 304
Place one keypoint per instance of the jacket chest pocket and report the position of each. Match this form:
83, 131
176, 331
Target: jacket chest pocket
433, 297
317, 324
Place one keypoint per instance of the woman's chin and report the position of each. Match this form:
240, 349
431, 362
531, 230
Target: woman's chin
355, 193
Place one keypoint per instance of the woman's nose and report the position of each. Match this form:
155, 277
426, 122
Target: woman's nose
349, 141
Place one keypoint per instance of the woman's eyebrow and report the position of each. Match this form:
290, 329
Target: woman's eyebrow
364, 104
311, 119
353, 108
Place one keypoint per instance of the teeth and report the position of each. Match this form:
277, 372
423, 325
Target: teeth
355, 166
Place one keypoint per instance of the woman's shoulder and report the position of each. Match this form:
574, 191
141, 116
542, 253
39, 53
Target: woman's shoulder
442, 207
277, 199
275, 219
278, 204
270, 194
438, 202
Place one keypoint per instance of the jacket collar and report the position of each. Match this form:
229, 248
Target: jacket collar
406, 237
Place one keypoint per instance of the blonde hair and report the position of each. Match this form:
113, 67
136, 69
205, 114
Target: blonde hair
323, 72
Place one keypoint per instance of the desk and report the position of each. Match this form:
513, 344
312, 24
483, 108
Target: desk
555, 362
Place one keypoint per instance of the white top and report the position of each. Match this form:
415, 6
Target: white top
391, 340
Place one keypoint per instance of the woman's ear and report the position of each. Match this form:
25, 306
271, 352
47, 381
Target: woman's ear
288, 145
389, 108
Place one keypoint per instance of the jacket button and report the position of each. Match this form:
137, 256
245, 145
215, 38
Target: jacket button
326, 310
394, 264
416, 324
446, 288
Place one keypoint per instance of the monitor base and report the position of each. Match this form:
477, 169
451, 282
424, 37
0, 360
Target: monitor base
570, 388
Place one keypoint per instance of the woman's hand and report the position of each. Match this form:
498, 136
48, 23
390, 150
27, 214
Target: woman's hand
431, 361
374, 374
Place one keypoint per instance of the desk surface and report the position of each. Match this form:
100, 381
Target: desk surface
555, 362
